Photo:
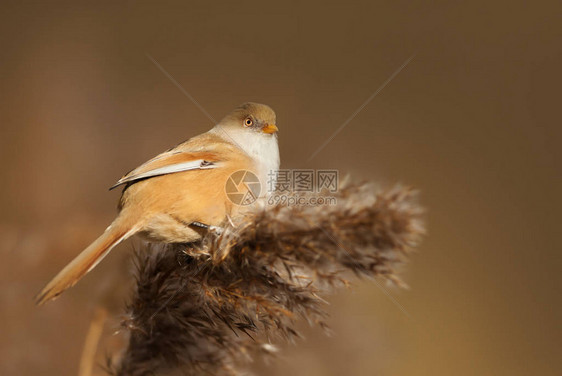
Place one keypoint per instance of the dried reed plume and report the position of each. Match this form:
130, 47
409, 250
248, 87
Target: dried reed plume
206, 308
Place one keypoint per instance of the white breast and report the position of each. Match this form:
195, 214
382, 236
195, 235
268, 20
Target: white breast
261, 147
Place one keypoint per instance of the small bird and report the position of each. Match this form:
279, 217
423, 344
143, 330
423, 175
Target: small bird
178, 195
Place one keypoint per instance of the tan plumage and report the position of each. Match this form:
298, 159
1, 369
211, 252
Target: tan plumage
166, 198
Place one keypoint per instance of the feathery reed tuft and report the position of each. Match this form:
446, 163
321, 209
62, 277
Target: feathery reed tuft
208, 307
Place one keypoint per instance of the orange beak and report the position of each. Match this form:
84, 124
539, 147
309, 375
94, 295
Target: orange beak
270, 128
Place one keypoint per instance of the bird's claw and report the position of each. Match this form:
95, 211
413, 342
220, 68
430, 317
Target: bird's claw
216, 230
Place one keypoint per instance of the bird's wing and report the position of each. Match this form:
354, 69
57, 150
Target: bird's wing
170, 162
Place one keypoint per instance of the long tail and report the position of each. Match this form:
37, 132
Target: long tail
85, 261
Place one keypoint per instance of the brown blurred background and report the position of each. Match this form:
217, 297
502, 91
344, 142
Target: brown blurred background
473, 121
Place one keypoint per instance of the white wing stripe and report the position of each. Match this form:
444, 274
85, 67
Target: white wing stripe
199, 164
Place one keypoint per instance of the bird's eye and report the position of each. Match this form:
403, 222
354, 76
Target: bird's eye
248, 122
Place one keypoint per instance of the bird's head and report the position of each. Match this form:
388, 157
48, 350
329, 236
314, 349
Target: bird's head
252, 116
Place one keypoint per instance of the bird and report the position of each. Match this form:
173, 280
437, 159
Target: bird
179, 195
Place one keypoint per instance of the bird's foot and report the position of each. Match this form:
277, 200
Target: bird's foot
215, 229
